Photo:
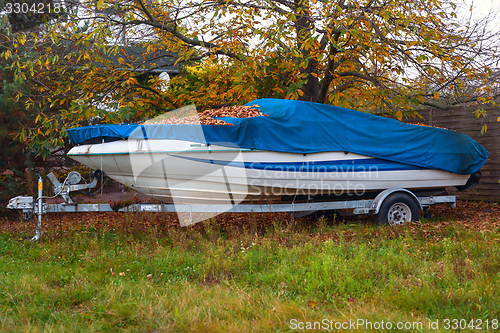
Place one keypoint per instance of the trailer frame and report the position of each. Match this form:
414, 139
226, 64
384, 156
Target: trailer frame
358, 206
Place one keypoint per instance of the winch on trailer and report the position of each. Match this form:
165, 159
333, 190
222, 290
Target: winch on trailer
70, 184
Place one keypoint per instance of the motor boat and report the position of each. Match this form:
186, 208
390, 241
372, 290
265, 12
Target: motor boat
296, 151
197, 175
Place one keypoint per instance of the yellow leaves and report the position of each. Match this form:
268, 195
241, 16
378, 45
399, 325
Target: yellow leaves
436, 95
121, 60
30, 66
399, 115
99, 4
22, 39
53, 37
484, 129
150, 48
130, 81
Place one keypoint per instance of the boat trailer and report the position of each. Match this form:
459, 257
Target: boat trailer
29, 206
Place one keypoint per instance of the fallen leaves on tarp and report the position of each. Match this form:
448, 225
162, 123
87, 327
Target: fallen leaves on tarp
208, 117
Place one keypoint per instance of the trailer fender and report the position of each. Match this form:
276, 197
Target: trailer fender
379, 199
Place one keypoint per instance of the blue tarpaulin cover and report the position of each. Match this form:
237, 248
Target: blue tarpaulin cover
305, 127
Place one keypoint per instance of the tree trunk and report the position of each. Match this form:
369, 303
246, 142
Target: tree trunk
311, 87
303, 28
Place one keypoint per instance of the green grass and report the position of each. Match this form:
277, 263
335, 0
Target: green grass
213, 278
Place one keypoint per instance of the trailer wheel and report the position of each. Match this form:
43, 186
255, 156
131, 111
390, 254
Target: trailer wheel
397, 209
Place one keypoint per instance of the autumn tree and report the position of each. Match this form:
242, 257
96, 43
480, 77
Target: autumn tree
19, 21
14, 117
364, 54
16, 18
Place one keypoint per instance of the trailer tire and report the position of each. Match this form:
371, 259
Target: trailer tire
397, 209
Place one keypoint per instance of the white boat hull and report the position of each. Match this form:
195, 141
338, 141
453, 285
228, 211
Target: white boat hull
189, 172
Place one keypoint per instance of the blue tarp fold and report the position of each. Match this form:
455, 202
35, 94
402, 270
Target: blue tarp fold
304, 127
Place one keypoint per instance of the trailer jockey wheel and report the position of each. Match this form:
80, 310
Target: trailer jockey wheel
397, 209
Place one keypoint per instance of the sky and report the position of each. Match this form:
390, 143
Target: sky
480, 8
482, 5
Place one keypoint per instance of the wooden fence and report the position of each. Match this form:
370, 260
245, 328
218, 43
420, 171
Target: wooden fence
463, 120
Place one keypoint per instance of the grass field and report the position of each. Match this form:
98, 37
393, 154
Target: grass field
263, 274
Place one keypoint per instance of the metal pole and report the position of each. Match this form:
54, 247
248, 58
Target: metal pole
39, 231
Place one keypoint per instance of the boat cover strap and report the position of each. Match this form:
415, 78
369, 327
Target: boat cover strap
305, 127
